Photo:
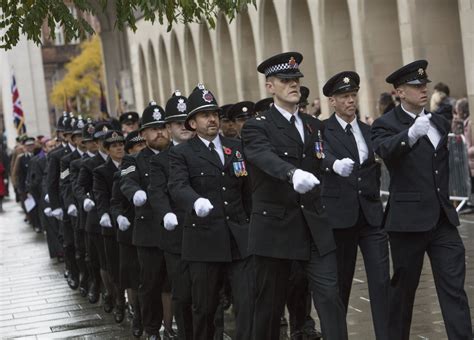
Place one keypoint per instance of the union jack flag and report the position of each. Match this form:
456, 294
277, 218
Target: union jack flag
18, 117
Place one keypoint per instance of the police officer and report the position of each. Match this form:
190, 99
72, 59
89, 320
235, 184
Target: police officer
113, 142
419, 217
146, 232
57, 203
129, 121
171, 217
351, 194
85, 196
23, 165
303, 103
288, 219
227, 125
239, 113
208, 180
123, 213
263, 105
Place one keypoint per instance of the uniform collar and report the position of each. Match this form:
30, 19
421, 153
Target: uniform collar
285, 113
411, 114
343, 123
104, 155
72, 147
216, 141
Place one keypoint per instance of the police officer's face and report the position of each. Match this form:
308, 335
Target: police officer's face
157, 137
178, 132
129, 127
67, 137
77, 141
413, 96
239, 123
228, 127
206, 124
116, 151
345, 104
60, 136
29, 148
49, 145
284, 91
91, 146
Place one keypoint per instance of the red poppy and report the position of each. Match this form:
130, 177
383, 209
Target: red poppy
227, 151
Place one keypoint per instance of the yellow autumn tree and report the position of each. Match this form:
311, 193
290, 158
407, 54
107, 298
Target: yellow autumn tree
80, 87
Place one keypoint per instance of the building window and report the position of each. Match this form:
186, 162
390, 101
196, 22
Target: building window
59, 35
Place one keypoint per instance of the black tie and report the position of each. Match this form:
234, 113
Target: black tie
214, 153
353, 146
293, 125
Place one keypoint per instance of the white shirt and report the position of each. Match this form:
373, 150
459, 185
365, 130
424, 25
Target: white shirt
433, 133
156, 152
217, 145
298, 120
359, 137
72, 147
80, 152
117, 164
91, 154
104, 155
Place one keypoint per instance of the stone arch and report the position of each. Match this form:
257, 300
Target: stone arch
155, 90
190, 60
164, 71
248, 57
207, 60
226, 63
177, 71
144, 75
301, 40
270, 30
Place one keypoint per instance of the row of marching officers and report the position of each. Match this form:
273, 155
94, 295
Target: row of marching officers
177, 207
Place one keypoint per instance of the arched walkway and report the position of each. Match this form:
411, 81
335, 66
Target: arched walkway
177, 71
226, 63
155, 91
165, 78
247, 54
207, 61
190, 60
144, 78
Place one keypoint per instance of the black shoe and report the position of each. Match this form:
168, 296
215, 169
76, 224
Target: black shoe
154, 337
283, 322
38, 230
93, 295
83, 286
119, 313
312, 334
108, 303
298, 335
169, 334
137, 328
72, 282
66, 272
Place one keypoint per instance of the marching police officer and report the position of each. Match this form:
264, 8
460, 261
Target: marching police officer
282, 147
129, 121
351, 194
208, 180
146, 232
419, 217
227, 125
239, 113
171, 217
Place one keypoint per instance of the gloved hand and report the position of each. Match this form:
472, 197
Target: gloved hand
88, 204
139, 198
57, 214
419, 128
304, 181
105, 221
202, 207
46, 198
343, 167
123, 223
47, 211
72, 210
170, 221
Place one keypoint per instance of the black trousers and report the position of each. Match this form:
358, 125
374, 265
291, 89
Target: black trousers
447, 256
53, 237
69, 248
178, 273
81, 253
272, 285
152, 274
373, 243
206, 281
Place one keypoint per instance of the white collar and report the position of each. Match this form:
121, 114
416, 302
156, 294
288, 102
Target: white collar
411, 114
91, 154
80, 152
72, 147
174, 142
156, 152
216, 141
104, 155
287, 114
117, 164
344, 123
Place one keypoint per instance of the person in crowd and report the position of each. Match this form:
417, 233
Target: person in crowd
129, 121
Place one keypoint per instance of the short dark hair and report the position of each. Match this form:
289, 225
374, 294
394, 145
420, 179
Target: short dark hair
442, 87
462, 106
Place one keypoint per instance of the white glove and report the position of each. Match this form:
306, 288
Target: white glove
123, 223
139, 198
46, 198
105, 221
203, 207
48, 211
343, 167
57, 214
304, 181
88, 204
170, 221
72, 210
419, 128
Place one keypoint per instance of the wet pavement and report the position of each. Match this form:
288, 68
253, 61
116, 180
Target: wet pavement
36, 303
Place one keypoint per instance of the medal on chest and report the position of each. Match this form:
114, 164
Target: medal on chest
239, 166
319, 147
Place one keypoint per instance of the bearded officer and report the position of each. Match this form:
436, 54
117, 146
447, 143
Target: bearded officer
288, 219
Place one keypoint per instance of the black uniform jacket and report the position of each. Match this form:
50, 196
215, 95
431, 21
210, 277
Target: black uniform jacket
283, 221
419, 175
119, 205
161, 202
194, 173
23, 166
75, 167
136, 176
54, 170
35, 176
102, 188
84, 189
344, 197
65, 179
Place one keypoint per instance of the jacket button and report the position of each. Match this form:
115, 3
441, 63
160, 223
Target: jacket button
304, 155
264, 212
223, 189
327, 169
436, 171
360, 192
194, 224
359, 179
324, 207
435, 154
226, 203
438, 189
285, 153
142, 217
146, 175
302, 206
223, 173
403, 143
202, 173
227, 218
